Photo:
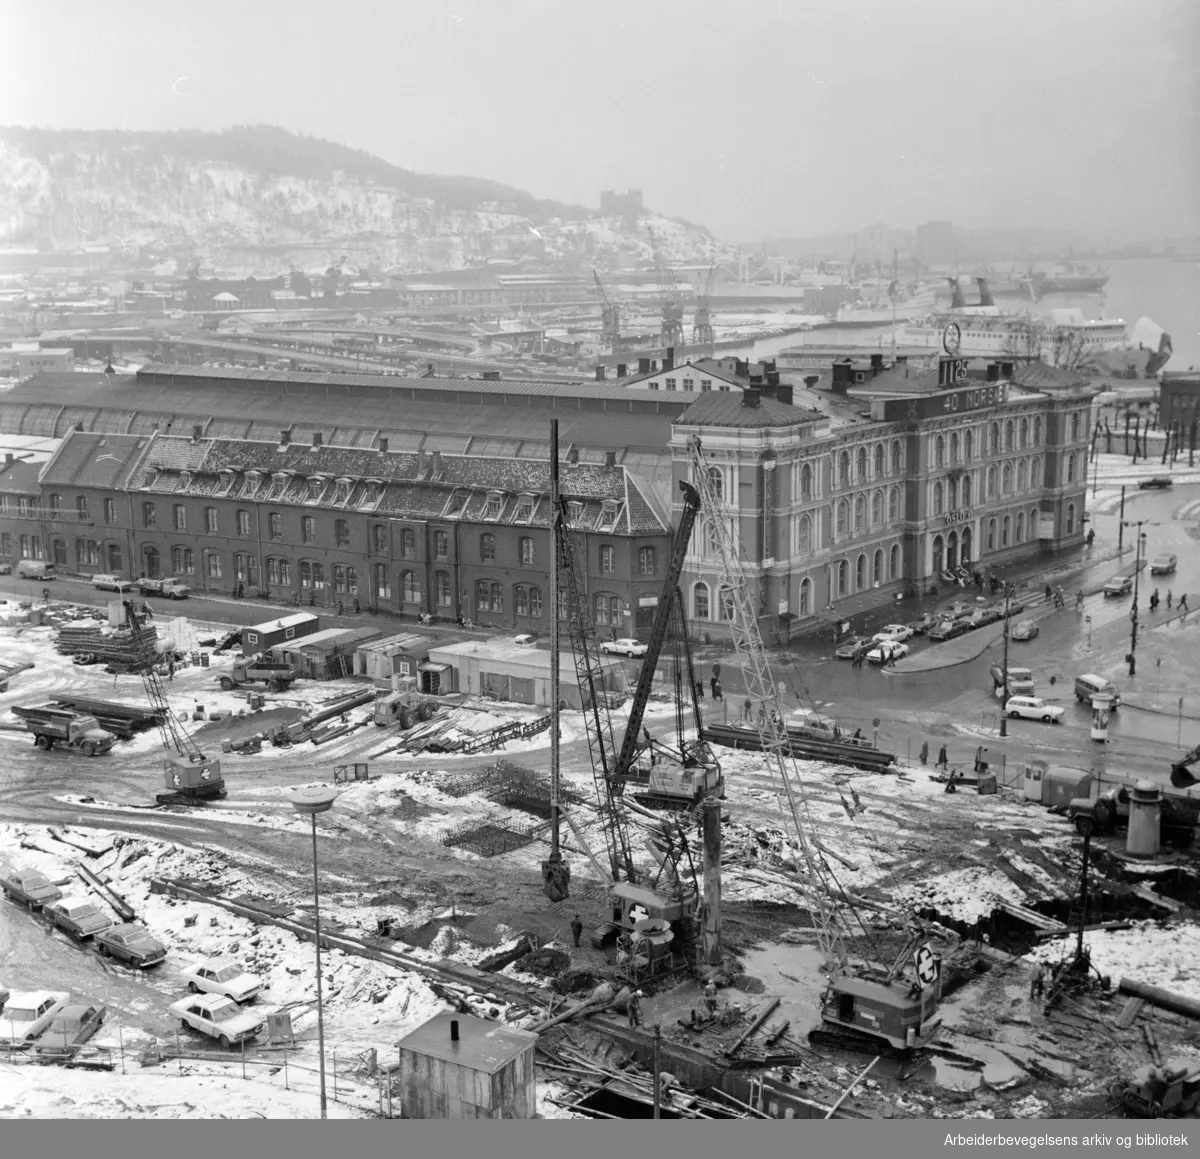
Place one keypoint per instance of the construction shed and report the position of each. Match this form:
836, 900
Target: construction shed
391, 660
325, 655
456, 1066
263, 637
507, 670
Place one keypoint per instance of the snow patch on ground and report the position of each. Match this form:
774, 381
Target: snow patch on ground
966, 895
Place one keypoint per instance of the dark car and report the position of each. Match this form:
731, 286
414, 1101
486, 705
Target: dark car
30, 889
79, 917
1157, 483
131, 943
72, 1027
854, 647
921, 626
947, 630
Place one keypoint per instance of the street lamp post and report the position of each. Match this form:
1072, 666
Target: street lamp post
314, 800
1004, 686
1137, 575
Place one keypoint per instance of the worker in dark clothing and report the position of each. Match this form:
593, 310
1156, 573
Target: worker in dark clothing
1037, 982
634, 1008
1169, 599
1091, 536
576, 929
924, 753
710, 998
1049, 593
715, 685
943, 761
699, 689
1183, 602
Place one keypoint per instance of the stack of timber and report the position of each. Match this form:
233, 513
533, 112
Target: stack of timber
858, 756
121, 720
119, 648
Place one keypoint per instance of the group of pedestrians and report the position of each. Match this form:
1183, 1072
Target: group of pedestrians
1155, 601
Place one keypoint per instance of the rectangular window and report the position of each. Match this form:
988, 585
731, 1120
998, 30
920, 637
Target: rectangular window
149, 518
243, 523
706, 384
521, 600
26, 506
442, 580
535, 601
487, 547
379, 537
670, 384
308, 529
275, 525
214, 565
408, 543
110, 511
441, 545
497, 598
5, 543
646, 561
210, 520
341, 533
524, 509
608, 557
492, 510
527, 557
383, 585
689, 384
81, 506
180, 517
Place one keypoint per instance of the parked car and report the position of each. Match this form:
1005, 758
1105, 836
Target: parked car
73, 1026
897, 632
1024, 630
922, 625
5, 569
1163, 564
1119, 585
36, 569
623, 647
853, 647
989, 614
30, 889
107, 582
26, 1015
887, 650
218, 1017
1033, 708
805, 722
132, 943
222, 976
79, 917
1155, 483
947, 629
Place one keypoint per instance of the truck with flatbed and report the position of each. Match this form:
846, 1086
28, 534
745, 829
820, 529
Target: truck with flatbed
255, 670
170, 588
62, 726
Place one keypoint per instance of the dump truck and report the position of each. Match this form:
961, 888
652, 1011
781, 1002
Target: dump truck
51, 726
255, 670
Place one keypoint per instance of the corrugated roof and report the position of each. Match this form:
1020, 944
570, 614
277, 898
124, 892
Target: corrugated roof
728, 409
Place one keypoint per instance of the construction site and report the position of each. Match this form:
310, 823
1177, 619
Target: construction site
653, 914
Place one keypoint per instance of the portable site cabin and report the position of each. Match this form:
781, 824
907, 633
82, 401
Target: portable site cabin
510, 671
1055, 786
456, 1066
325, 655
392, 659
263, 637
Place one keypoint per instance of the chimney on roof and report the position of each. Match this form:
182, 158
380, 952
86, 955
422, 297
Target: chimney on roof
772, 377
285, 437
453, 1029
783, 392
876, 364
8, 459
1007, 369
318, 438
741, 369
599, 373
197, 431
383, 444
751, 399
842, 376
573, 457
78, 427
669, 359
610, 458
643, 365
811, 380
437, 465
622, 370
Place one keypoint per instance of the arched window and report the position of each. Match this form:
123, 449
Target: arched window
700, 609
894, 562
966, 491
896, 456
806, 477
1071, 467
954, 447
1024, 433
877, 566
1033, 523
716, 481
939, 498
939, 452
843, 578
995, 437
804, 535
860, 573
939, 553
1022, 474
969, 446
1037, 430
804, 601
1070, 518
843, 517
844, 469
862, 464
1075, 427
991, 481
877, 509
1005, 526
860, 513
410, 592
1006, 476
991, 535
1008, 435
1020, 527
1035, 471
951, 495
878, 460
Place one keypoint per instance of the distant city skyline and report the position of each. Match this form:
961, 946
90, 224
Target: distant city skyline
755, 120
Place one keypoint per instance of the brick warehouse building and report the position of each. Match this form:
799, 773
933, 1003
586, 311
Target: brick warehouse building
873, 484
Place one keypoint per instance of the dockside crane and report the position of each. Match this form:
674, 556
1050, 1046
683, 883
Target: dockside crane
702, 330
610, 317
867, 1004
672, 305
190, 777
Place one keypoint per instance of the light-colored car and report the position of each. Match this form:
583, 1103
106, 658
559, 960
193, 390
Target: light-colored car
899, 633
1033, 708
805, 722
131, 943
1024, 630
31, 889
1163, 564
623, 647
26, 1015
887, 650
218, 1017
80, 917
852, 648
108, 582
1119, 585
222, 976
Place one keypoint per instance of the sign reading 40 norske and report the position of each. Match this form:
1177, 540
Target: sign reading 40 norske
945, 402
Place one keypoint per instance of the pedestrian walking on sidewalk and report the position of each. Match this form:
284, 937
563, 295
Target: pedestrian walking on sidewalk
1183, 602
1049, 593
1079, 598
1168, 599
1091, 536
924, 753
576, 929
943, 761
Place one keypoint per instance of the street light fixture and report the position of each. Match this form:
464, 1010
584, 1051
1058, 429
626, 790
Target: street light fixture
1137, 574
313, 800
1008, 589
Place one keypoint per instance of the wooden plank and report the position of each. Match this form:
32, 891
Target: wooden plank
1031, 917
1129, 1013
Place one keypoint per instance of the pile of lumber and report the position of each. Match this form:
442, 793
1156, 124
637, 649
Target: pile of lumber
119, 648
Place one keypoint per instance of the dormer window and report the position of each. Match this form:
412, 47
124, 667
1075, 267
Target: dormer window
574, 511
495, 501
315, 486
279, 480
342, 492
374, 490
608, 513
525, 504
185, 479
253, 481
226, 481
457, 502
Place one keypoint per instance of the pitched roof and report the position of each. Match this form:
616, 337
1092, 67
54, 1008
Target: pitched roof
20, 478
1041, 376
94, 459
729, 409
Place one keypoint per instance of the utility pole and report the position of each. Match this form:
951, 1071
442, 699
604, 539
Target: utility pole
1137, 575
1121, 525
1004, 686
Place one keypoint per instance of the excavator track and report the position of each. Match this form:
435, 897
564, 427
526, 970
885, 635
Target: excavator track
862, 1044
184, 799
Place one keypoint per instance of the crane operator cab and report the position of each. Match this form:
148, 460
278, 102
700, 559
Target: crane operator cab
633, 905
194, 780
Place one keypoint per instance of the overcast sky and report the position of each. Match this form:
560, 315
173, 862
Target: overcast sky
754, 117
